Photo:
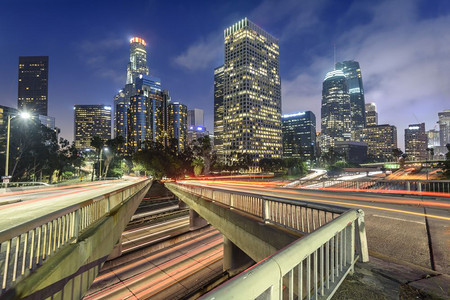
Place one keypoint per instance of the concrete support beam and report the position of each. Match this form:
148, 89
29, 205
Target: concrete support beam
253, 237
117, 251
234, 259
195, 221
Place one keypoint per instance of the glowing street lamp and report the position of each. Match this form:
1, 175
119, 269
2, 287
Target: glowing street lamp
100, 162
23, 115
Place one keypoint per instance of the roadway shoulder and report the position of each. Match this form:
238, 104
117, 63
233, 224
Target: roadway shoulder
394, 278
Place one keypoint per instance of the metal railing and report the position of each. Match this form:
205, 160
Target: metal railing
22, 184
296, 215
435, 186
311, 267
26, 246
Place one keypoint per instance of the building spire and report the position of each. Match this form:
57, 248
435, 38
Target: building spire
334, 58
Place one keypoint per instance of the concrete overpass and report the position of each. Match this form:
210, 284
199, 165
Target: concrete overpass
54, 245
305, 247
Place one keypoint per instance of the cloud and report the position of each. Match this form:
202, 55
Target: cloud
202, 54
105, 57
404, 60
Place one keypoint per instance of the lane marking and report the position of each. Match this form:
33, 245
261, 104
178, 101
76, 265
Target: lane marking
399, 219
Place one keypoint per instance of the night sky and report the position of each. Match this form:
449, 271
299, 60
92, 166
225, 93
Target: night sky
403, 47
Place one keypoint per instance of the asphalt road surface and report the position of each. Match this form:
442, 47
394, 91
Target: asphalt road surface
410, 229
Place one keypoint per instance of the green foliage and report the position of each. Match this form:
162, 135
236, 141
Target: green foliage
35, 152
163, 162
292, 166
198, 165
67, 174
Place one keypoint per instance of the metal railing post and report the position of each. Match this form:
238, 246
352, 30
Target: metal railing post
362, 243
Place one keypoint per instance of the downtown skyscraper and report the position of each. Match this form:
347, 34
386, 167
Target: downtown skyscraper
142, 109
33, 84
335, 110
90, 121
352, 73
218, 110
136, 66
416, 142
251, 93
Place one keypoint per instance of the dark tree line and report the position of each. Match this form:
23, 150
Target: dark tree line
35, 153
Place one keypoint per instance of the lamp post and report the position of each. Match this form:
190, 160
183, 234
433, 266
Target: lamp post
100, 162
23, 115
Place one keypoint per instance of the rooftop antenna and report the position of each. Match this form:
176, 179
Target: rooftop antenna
334, 53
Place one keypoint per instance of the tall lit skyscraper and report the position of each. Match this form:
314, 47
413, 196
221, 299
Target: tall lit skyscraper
416, 142
90, 121
252, 93
147, 114
352, 72
335, 111
444, 127
299, 135
177, 128
371, 114
33, 84
136, 66
138, 59
218, 110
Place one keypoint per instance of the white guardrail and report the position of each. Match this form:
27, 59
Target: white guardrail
312, 267
435, 186
26, 246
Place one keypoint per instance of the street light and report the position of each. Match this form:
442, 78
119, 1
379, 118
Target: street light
100, 162
23, 115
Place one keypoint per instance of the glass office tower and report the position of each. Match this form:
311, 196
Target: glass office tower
335, 111
251, 93
33, 84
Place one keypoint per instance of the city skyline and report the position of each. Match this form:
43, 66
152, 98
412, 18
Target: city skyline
88, 62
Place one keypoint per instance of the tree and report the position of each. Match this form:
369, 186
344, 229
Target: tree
32, 149
203, 149
447, 162
198, 165
294, 166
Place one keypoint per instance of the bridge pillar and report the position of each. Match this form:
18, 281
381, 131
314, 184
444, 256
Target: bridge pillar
117, 250
181, 204
234, 259
195, 221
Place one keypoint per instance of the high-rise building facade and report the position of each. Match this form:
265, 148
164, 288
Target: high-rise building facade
195, 118
380, 140
444, 127
136, 66
147, 114
33, 84
177, 114
299, 135
416, 142
251, 93
433, 138
218, 110
90, 121
352, 72
371, 114
138, 59
335, 110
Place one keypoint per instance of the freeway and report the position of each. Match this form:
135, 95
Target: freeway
410, 229
169, 273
